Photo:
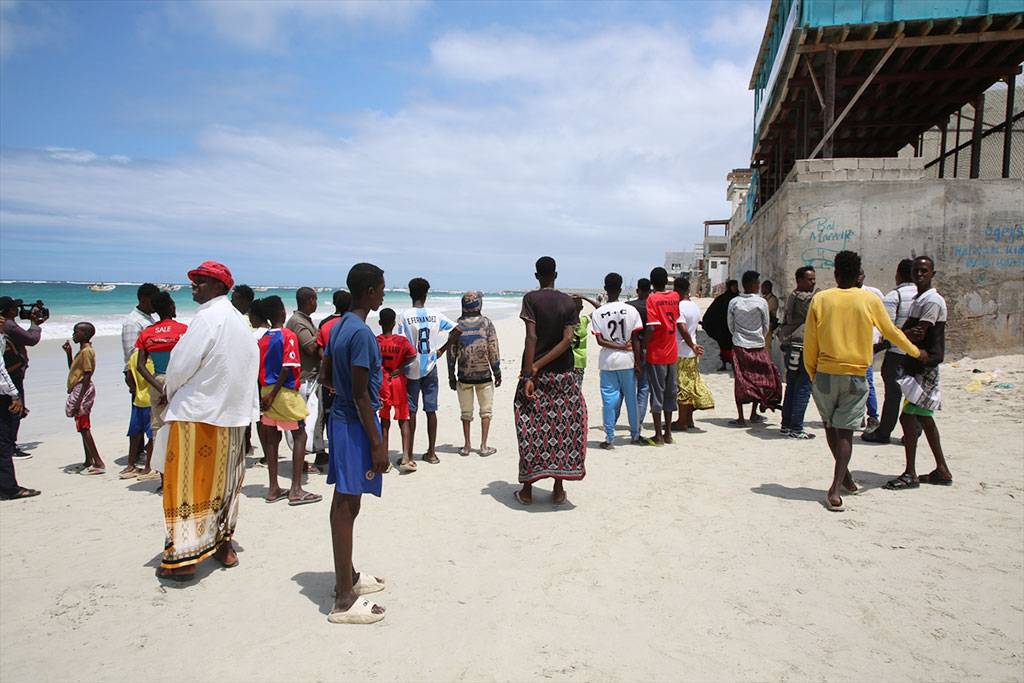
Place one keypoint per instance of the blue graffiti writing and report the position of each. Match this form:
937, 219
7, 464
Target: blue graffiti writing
1005, 233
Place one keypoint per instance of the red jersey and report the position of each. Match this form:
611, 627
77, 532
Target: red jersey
158, 339
395, 351
323, 335
662, 314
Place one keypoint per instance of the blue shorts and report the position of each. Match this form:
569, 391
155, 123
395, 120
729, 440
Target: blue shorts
349, 466
140, 422
426, 386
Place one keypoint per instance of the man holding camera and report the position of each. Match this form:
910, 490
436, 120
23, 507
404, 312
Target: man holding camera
16, 353
10, 406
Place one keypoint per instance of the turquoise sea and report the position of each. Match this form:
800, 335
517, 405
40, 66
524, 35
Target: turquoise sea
71, 302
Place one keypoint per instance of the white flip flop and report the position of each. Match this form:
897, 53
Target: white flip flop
365, 587
361, 612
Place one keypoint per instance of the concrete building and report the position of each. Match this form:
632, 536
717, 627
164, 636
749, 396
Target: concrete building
715, 269
680, 263
876, 175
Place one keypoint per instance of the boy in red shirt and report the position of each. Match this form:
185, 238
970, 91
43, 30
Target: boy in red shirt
662, 354
396, 352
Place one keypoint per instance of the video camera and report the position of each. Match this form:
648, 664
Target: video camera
26, 311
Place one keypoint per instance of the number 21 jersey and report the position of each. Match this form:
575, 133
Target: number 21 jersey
616, 322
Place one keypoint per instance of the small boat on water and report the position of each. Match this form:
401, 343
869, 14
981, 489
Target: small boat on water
169, 288
101, 287
260, 289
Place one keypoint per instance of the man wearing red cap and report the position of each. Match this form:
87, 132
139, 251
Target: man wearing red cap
211, 399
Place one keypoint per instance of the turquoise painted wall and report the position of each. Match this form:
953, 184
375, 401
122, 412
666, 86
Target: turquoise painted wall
837, 12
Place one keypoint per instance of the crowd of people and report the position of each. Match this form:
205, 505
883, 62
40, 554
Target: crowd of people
197, 390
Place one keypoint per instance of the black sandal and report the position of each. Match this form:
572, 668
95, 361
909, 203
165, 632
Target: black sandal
902, 483
23, 493
935, 479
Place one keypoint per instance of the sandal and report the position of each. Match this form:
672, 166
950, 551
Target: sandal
149, 476
361, 612
902, 483
306, 499
521, 500
310, 468
432, 459
281, 495
92, 471
834, 508
464, 451
406, 467
737, 423
23, 493
490, 450
935, 479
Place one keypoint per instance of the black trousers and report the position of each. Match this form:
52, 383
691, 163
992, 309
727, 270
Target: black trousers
8, 482
18, 377
891, 408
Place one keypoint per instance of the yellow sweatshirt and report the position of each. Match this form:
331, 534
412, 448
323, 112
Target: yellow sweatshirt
838, 332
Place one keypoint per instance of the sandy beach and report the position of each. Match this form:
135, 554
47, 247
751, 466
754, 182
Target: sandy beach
711, 559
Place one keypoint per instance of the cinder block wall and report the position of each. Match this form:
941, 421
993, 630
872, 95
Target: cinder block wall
974, 229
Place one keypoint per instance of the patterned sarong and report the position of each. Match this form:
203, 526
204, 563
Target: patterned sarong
921, 389
552, 429
202, 479
756, 379
692, 389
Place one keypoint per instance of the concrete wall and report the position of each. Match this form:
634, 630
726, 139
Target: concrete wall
974, 229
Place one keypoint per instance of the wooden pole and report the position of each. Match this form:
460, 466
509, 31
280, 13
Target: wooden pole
979, 119
942, 149
1011, 84
826, 140
830, 106
956, 142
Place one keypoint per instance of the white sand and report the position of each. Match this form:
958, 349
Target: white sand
712, 559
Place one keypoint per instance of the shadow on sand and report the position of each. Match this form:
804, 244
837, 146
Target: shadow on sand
504, 493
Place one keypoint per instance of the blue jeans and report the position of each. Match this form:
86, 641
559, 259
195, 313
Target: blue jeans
618, 386
643, 397
798, 393
872, 399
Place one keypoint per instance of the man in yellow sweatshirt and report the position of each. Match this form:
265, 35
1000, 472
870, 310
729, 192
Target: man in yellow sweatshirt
837, 351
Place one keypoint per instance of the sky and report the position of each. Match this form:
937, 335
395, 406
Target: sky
458, 141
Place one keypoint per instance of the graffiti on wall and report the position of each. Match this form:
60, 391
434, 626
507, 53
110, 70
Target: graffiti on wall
821, 240
998, 246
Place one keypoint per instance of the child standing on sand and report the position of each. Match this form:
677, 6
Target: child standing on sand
281, 404
82, 394
396, 352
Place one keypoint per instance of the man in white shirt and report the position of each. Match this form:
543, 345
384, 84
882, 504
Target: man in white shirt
617, 327
897, 304
756, 379
423, 327
134, 323
212, 396
693, 392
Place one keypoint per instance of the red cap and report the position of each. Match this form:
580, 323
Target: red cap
218, 271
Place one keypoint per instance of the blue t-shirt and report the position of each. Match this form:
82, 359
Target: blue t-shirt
353, 343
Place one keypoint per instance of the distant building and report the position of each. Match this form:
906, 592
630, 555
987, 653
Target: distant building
680, 263
716, 257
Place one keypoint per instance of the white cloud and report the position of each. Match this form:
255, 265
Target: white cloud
24, 25
273, 24
605, 150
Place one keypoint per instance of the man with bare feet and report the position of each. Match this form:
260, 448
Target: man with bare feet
551, 415
662, 354
837, 349
358, 457
919, 381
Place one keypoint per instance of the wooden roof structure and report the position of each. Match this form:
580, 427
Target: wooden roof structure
870, 89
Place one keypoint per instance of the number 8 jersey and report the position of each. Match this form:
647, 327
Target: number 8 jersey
616, 322
423, 328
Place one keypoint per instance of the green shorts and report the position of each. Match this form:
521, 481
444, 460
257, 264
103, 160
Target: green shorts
840, 399
914, 409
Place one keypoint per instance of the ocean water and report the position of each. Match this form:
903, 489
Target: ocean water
71, 302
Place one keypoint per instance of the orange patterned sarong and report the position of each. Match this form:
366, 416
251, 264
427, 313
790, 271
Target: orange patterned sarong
202, 481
